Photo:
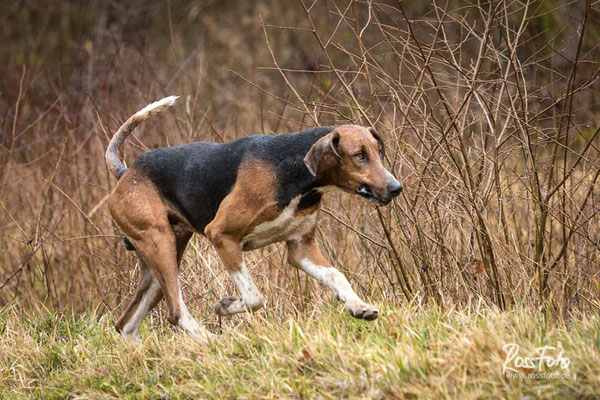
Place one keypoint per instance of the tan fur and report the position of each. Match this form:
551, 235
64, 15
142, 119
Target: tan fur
251, 201
306, 247
349, 174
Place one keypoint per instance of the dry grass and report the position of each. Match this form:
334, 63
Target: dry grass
411, 352
490, 122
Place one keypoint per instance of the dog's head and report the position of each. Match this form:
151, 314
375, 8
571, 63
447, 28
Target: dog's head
350, 157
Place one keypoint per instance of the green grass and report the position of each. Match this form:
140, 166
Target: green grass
411, 352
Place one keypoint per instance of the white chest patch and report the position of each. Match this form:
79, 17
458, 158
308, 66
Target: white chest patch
285, 227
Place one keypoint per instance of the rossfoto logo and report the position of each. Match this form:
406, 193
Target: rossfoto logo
545, 363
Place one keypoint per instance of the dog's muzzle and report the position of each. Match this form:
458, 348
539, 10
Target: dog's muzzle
393, 189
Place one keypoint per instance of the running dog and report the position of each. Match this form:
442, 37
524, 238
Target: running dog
241, 195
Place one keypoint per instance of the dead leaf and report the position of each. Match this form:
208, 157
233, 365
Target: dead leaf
478, 267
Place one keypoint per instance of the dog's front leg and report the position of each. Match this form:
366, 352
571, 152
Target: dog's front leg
305, 254
230, 251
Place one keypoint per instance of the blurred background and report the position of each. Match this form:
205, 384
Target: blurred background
490, 112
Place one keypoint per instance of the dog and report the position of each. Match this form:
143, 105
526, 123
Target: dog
242, 195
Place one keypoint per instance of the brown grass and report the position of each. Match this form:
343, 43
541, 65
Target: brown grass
411, 352
489, 111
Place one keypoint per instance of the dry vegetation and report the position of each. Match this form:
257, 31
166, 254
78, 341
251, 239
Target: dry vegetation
412, 352
490, 112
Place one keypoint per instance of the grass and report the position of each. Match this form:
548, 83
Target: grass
410, 352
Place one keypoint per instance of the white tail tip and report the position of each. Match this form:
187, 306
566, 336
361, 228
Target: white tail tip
158, 105
168, 101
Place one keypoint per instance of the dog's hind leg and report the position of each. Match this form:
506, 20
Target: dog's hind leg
147, 296
139, 211
158, 248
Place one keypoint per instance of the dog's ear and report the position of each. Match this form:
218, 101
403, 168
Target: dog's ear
323, 154
378, 138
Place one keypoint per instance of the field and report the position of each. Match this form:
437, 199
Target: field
411, 352
490, 112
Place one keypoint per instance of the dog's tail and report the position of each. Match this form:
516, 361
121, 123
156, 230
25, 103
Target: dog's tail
114, 164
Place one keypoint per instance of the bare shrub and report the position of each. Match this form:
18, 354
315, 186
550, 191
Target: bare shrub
489, 111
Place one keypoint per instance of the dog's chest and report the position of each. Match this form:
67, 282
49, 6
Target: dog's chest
289, 225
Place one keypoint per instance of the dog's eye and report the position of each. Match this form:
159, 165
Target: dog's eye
361, 156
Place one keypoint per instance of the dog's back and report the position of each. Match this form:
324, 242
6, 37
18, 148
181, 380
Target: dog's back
195, 178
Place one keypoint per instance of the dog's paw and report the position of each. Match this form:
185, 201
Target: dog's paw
194, 329
232, 305
222, 307
361, 310
202, 334
132, 338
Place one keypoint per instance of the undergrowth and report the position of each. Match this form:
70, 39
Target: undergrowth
410, 352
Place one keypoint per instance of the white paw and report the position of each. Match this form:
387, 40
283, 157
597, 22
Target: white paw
132, 337
361, 310
194, 329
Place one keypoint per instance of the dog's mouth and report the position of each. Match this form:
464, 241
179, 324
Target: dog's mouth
366, 192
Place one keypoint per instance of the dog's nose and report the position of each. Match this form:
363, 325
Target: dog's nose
394, 188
